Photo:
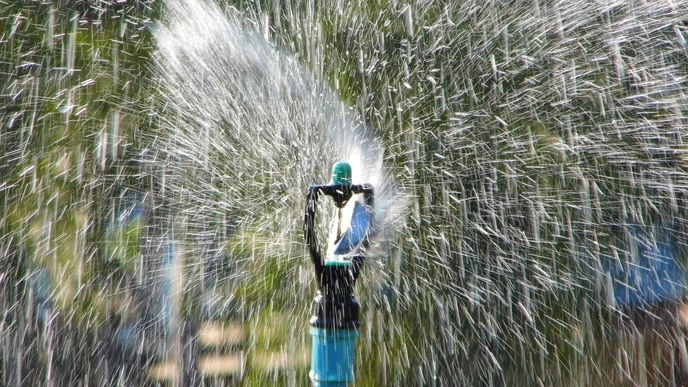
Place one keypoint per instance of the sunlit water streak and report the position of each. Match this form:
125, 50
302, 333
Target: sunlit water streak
244, 129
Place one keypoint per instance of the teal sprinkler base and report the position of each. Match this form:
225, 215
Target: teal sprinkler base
332, 356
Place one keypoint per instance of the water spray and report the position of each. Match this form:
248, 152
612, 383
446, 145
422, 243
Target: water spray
335, 321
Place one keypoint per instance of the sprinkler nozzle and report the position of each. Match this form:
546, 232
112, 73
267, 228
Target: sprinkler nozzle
341, 182
341, 173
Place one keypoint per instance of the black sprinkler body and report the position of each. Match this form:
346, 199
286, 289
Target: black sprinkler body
335, 305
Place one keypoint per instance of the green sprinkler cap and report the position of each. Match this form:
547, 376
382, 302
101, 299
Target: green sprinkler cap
341, 173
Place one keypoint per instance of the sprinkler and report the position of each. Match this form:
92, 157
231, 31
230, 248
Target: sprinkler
334, 325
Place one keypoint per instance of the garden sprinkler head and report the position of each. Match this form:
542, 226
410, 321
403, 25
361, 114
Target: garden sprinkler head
350, 241
341, 173
335, 320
